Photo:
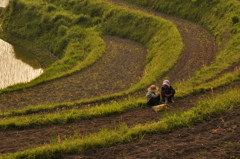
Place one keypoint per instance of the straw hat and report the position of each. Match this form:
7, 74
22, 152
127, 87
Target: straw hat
153, 88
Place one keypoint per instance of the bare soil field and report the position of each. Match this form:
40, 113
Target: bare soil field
121, 66
217, 138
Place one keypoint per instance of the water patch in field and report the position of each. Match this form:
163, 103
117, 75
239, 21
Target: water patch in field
4, 3
13, 70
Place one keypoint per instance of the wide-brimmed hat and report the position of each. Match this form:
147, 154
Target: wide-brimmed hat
166, 82
153, 88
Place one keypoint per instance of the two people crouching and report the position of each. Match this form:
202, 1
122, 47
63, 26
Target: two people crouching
167, 93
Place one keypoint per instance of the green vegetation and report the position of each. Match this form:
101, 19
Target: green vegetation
221, 18
69, 116
76, 48
204, 110
77, 23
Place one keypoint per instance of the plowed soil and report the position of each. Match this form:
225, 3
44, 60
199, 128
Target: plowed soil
217, 138
121, 66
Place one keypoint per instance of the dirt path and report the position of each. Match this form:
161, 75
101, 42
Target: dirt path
16, 140
214, 139
200, 47
186, 143
123, 58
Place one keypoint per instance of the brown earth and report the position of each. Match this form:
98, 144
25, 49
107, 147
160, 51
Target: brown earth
117, 70
217, 138
121, 66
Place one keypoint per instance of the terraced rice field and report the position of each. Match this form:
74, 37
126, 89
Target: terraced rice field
122, 66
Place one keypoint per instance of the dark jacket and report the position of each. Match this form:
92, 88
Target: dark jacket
167, 90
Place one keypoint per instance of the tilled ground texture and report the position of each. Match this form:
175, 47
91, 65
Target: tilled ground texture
217, 138
121, 66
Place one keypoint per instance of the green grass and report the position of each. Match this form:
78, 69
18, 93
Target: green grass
80, 51
220, 17
204, 110
183, 92
195, 85
77, 47
68, 116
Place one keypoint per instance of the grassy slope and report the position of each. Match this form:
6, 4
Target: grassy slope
193, 84
222, 19
234, 76
149, 31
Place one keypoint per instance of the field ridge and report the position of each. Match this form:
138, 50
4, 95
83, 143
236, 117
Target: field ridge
199, 44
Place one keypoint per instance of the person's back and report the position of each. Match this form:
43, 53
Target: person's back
151, 96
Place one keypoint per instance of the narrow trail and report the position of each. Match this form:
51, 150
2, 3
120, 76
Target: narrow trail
199, 44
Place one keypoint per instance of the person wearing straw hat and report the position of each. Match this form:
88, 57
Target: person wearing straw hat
153, 98
167, 92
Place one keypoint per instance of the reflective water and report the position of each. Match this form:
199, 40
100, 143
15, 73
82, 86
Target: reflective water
3, 3
13, 70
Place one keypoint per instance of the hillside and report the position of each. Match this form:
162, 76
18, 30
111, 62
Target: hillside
121, 67
128, 62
